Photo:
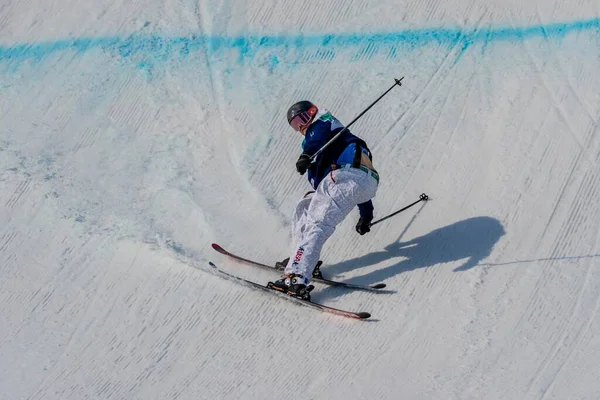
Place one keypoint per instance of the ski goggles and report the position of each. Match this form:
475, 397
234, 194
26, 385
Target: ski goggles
300, 121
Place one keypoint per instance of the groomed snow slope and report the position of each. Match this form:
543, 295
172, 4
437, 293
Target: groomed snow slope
135, 133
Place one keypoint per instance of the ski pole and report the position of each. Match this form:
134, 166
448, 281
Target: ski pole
398, 82
422, 197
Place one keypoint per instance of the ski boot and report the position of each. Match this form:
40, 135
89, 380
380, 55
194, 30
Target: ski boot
294, 285
317, 271
280, 265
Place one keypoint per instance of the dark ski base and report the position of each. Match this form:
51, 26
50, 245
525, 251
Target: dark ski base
297, 300
320, 279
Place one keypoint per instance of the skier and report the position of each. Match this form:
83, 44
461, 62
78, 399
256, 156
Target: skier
343, 177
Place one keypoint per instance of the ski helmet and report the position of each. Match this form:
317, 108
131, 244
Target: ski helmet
301, 113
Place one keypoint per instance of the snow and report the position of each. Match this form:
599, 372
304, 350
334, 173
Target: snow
134, 134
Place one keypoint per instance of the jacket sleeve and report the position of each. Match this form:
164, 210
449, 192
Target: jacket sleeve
316, 137
366, 210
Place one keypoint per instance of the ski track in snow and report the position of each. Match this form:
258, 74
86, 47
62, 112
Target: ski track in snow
134, 134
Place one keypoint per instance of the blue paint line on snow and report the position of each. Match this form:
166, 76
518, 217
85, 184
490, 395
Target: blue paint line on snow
147, 50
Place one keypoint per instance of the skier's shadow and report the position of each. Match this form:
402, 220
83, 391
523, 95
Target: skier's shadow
472, 240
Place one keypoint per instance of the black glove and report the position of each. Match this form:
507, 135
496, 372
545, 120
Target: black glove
364, 225
303, 163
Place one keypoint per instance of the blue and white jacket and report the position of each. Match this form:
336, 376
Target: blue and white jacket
341, 151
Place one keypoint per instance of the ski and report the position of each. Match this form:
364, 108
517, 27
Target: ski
317, 278
297, 300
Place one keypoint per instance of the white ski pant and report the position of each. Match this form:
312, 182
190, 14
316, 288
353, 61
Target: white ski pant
318, 213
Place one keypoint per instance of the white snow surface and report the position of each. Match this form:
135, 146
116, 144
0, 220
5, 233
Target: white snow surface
118, 170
